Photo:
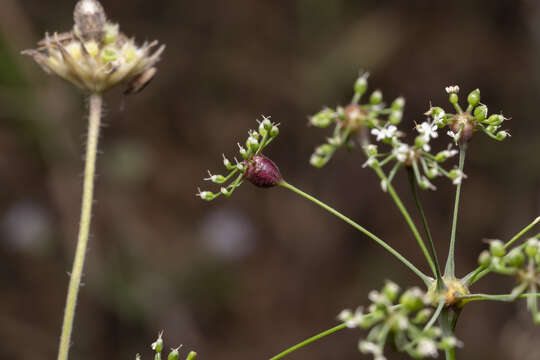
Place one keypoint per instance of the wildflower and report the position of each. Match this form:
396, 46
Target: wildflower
388, 132
427, 130
95, 56
367, 347
427, 347
452, 89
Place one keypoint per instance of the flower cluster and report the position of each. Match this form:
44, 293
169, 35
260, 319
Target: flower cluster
463, 124
174, 353
522, 262
254, 167
95, 55
356, 119
404, 317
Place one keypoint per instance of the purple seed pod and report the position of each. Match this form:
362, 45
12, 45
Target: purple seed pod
262, 172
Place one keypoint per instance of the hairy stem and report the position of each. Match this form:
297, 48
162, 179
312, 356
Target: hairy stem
308, 341
421, 275
408, 219
450, 262
412, 182
84, 226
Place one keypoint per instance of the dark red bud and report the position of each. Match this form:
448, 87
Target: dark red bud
262, 172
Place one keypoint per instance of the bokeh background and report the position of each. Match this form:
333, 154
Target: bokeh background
246, 277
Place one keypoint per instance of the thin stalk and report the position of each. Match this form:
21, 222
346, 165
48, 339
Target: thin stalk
421, 275
447, 320
450, 262
408, 219
412, 182
502, 297
435, 316
308, 341
84, 226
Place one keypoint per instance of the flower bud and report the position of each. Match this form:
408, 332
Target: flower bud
360, 86
484, 259
411, 299
480, 112
453, 98
474, 97
391, 290
262, 172
252, 144
495, 119
531, 249
496, 247
395, 117
515, 258
317, 161
422, 316
173, 355
323, 118
274, 131
157, 345
376, 97
192, 355
324, 149
501, 135
371, 150
398, 103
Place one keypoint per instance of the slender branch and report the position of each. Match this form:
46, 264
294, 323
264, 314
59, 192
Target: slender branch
412, 182
408, 219
450, 263
84, 226
308, 341
421, 275
435, 316
502, 297
522, 232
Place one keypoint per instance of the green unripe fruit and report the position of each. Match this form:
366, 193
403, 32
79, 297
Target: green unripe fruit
391, 290
323, 118
501, 135
531, 249
484, 259
422, 316
496, 247
411, 299
453, 98
361, 84
274, 131
376, 97
480, 112
515, 258
173, 355
192, 355
395, 117
495, 119
420, 141
474, 97
317, 161
398, 103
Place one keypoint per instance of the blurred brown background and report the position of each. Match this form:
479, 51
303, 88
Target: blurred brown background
246, 277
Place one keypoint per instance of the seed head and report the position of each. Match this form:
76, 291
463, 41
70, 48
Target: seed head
262, 172
95, 55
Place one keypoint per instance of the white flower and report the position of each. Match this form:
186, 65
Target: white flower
387, 132
452, 89
371, 161
438, 118
454, 135
402, 152
427, 130
351, 320
427, 347
367, 347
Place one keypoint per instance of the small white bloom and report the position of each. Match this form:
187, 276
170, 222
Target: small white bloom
438, 118
453, 135
387, 132
427, 130
367, 347
402, 152
371, 161
452, 89
427, 347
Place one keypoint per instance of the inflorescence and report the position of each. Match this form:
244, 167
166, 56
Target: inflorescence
254, 167
174, 353
401, 316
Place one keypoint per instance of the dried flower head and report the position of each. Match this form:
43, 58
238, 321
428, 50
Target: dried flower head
95, 55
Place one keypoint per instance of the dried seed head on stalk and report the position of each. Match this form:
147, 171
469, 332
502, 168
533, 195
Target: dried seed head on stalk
95, 55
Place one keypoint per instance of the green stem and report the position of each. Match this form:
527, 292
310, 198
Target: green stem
412, 182
450, 263
447, 320
407, 217
308, 341
502, 297
84, 226
522, 232
421, 275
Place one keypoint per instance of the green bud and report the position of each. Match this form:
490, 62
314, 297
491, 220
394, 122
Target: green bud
411, 299
449, 342
531, 249
323, 118
227, 163
422, 316
395, 117
474, 97
495, 119
252, 144
484, 259
243, 151
361, 84
174, 355
192, 355
515, 258
274, 131
398, 103
317, 161
324, 149
501, 135
371, 150
157, 345
420, 141
492, 128
453, 98
480, 112
454, 174
496, 247
217, 179
391, 290
376, 97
